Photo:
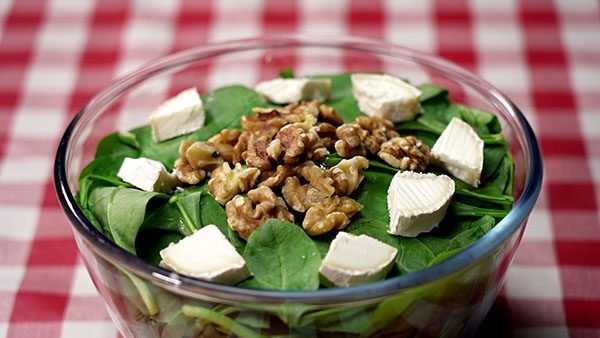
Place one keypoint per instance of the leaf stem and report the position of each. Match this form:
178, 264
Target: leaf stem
220, 320
189, 227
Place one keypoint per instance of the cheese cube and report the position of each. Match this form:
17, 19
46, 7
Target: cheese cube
177, 116
353, 260
147, 174
283, 91
417, 202
208, 255
460, 151
385, 95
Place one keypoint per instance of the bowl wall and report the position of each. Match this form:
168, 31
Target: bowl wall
448, 299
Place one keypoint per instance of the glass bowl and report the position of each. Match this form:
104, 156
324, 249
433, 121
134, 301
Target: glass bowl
448, 299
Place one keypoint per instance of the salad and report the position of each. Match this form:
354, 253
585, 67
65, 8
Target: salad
302, 183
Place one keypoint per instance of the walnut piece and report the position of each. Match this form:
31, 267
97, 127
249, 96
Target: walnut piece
301, 197
326, 133
245, 214
276, 178
264, 121
350, 141
185, 171
315, 108
304, 121
331, 213
202, 155
348, 174
364, 134
378, 130
290, 142
406, 153
256, 155
225, 182
226, 136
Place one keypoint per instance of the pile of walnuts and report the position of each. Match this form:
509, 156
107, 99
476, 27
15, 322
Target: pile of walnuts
281, 178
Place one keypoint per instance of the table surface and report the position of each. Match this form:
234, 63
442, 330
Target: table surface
545, 55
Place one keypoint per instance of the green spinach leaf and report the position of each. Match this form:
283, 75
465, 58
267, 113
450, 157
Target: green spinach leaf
121, 211
124, 143
342, 99
150, 242
281, 256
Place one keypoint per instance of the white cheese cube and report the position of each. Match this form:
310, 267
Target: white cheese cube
147, 174
460, 151
283, 91
417, 202
208, 255
353, 260
385, 95
177, 116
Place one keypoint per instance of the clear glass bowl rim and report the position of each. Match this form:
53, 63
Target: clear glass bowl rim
467, 257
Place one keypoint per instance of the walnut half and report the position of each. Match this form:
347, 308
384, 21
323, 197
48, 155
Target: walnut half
332, 213
348, 174
300, 196
406, 153
245, 214
225, 182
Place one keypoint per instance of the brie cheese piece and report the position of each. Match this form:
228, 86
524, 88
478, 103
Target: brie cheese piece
147, 174
460, 151
178, 115
417, 202
283, 91
385, 95
208, 255
353, 260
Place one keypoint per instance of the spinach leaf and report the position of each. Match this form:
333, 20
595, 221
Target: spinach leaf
168, 218
211, 212
105, 166
492, 156
341, 98
98, 206
346, 320
92, 218
281, 256
431, 94
419, 252
286, 73
91, 182
179, 326
462, 209
124, 143
150, 242
372, 194
121, 211
228, 324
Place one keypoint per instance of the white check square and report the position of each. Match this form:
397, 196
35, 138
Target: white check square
29, 170
533, 282
88, 329
82, 283
11, 277
18, 222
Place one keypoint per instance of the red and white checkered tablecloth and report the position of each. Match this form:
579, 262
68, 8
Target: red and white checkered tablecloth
544, 54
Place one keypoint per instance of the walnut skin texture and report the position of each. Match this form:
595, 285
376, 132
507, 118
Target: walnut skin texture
301, 197
225, 182
189, 172
364, 134
406, 153
245, 214
331, 213
348, 174
350, 141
